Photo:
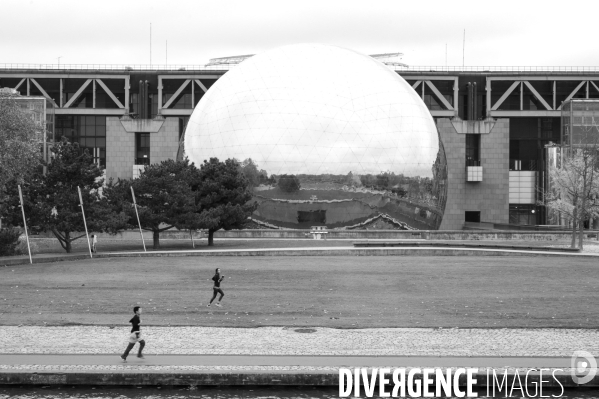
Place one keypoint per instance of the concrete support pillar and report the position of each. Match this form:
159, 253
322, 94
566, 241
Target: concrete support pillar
488, 98
159, 95
127, 87
456, 89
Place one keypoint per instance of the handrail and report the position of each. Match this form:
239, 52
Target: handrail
225, 67
116, 67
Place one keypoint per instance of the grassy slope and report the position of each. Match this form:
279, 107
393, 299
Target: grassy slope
354, 292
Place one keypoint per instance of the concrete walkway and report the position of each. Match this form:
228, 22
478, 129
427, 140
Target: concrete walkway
272, 355
286, 361
442, 250
302, 341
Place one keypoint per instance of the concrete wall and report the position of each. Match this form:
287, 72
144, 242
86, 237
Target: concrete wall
165, 142
491, 195
120, 144
120, 150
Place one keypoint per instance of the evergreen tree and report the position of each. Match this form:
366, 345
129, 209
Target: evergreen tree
166, 197
223, 193
52, 201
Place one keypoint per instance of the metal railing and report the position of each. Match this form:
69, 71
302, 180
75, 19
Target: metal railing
514, 69
116, 67
225, 67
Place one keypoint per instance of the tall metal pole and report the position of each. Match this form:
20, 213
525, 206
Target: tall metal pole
25, 223
137, 214
84, 222
464, 49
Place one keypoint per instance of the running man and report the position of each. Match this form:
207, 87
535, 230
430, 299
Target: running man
216, 289
135, 335
94, 243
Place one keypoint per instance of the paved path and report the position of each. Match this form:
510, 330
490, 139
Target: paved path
286, 361
211, 349
288, 341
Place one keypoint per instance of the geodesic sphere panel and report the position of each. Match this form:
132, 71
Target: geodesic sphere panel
327, 137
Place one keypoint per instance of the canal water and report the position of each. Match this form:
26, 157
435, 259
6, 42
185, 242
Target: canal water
211, 393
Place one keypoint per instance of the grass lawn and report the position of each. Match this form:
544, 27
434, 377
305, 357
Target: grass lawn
346, 292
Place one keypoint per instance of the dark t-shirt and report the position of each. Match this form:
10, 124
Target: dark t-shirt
135, 321
216, 280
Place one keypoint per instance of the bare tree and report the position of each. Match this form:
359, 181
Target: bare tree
575, 188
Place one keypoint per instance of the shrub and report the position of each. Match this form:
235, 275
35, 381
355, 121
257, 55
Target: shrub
289, 183
21, 248
9, 239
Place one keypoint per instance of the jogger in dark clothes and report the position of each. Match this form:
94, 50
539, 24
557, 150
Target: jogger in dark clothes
216, 289
135, 335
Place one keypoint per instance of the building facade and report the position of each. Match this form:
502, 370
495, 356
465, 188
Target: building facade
495, 124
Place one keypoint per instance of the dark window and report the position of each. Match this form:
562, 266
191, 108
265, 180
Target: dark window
317, 217
524, 214
88, 131
473, 216
182, 125
473, 150
142, 148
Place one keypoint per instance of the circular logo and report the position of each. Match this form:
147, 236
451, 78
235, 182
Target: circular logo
583, 367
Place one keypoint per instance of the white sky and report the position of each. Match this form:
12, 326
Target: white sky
498, 33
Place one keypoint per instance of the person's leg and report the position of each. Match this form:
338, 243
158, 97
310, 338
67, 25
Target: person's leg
215, 292
142, 343
222, 294
129, 347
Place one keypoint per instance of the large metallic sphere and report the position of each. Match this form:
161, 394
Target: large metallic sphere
327, 136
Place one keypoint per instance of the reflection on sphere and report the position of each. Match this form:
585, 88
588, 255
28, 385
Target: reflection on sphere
326, 136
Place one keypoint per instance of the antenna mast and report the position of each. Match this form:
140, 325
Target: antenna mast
464, 49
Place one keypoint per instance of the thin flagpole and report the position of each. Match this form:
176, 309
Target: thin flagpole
84, 222
139, 224
191, 235
25, 223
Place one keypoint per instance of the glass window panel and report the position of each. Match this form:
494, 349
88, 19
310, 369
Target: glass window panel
100, 143
100, 121
101, 131
90, 143
90, 120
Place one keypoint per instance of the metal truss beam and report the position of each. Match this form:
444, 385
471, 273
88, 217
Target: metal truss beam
89, 111
439, 95
201, 85
19, 84
537, 95
415, 85
573, 93
174, 96
546, 78
63, 76
110, 93
77, 94
43, 91
505, 95
529, 113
